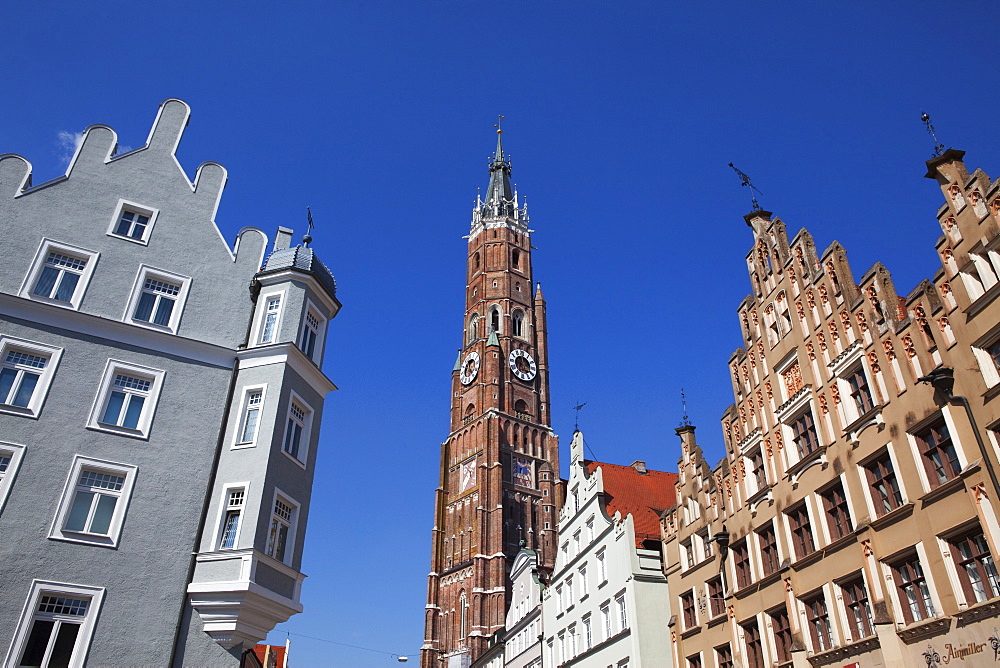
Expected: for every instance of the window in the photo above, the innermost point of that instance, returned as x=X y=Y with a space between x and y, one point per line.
x=741 y=562
x=59 y=274
x=297 y=429
x=694 y=661
x=802 y=534
x=588 y=635
x=560 y=601
x=127 y=399
x=976 y=569
x=590 y=531
x=269 y=327
x=838 y=516
x=687 y=547
x=687 y=606
x=782 y=634
x=253 y=401
x=706 y=543
x=494 y=318
x=859 y=612
x=235 y=498
x=716 y=598
x=886 y=494
x=804 y=434
x=602 y=567
x=768 y=549
x=133 y=222
x=911 y=586
x=606 y=620
x=282 y=529
x=860 y=391
x=724 y=656
x=517 y=323
x=57 y=625
x=158 y=299
x=584 y=585
x=92 y=507
x=622 y=611
x=571 y=632
x=755 y=649
x=312 y=339
x=938 y=453
x=819 y=623
x=759 y=472
x=10 y=460
x=26 y=370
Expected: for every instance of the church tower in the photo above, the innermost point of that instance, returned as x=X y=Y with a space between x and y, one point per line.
x=500 y=462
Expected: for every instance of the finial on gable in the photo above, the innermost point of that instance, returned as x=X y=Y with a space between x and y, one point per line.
x=745 y=181
x=938 y=146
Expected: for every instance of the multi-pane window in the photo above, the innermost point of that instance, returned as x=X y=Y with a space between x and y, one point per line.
x=125 y=401
x=914 y=593
x=976 y=569
x=231 y=521
x=859 y=612
x=622 y=611
x=4 y=464
x=688 y=548
x=724 y=656
x=818 y=619
x=860 y=391
x=251 y=416
x=688 y=610
x=885 y=488
x=310 y=333
x=602 y=566
x=938 y=453
x=156 y=301
x=741 y=562
x=19 y=377
x=606 y=620
x=838 y=516
x=94 y=501
x=588 y=634
x=293 y=432
x=804 y=434
x=269 y=329
x=55 y=631
x=517 y=323
x=132 y=224
x=281 y=523
x=768 y=549
x=759 y=472
x=59 y=277
x=755 y=648
x=584 y=585
x=802 y=534
x=694 y=661
x=782 y=630
x=716 y=598
x=706 y=543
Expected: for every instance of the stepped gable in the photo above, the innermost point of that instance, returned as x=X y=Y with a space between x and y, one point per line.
x=645 y=495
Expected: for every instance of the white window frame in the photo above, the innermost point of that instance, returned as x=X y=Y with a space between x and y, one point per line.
x=151 y=273
x=292 y=524
x=869 y=493
x=14 y=453
x=258 y=327
x=304 y=439
x=220 y=517
x=66 y=501
x=83 y=638
x=136 y=208
x=317 y=354
x=47 y=246
x=113 y=368
x=980 y=348
x=621 y=603
x=602 y=566
x=244 y=407
x=41 y=390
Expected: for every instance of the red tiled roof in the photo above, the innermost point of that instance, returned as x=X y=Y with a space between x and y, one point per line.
x=277 y=650
x=646 y=496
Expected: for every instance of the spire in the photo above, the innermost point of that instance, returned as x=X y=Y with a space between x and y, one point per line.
x=499 y=193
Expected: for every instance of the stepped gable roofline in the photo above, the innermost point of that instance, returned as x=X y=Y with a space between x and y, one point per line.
x=301 y=258
x=643 y=495
x=947 y=156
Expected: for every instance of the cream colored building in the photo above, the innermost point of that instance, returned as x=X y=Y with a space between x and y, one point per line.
x=853 y=520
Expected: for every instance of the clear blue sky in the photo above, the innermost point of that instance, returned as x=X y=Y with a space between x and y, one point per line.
x=621 y=119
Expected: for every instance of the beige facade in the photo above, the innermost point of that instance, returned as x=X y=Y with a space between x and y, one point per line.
x=853 y=518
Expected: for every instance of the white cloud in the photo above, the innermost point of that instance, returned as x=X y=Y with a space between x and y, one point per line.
x=68 y=143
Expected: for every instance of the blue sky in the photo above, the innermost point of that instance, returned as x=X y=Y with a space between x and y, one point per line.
x=621 y=119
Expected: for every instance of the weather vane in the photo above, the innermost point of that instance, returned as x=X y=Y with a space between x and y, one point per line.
x=578 y=408
x=745 y=181
x=685 y=422
x=307 y=239
x=938 y=146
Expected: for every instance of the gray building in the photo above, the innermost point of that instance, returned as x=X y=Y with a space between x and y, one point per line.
x=160 y=400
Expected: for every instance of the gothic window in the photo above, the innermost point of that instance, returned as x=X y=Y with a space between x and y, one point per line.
x=463 y=616
x=495 y=320
x=515 y=258
x=473 y=327
x=517 y=323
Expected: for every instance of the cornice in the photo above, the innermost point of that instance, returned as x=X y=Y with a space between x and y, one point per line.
x=287 y=353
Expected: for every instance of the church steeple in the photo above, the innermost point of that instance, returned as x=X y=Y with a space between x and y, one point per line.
x=500 y=205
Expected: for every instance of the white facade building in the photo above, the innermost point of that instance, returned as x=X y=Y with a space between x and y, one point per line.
x=607 y=602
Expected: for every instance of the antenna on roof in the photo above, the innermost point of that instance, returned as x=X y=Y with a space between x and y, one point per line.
x=938 y=146
x=307 y=237
x=578 y=408
x=745 y=181
x=685 y=422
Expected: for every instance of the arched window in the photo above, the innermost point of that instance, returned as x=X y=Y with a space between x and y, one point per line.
x=517 y=323
x=475 y=261
x=473 y=327
x=521 y=409
x=495 y=320
x=515 y=258
x=462 y=616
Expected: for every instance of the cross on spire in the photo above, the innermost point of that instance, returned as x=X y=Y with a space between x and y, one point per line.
x=307 y=237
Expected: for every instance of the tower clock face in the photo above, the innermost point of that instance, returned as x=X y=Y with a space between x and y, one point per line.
x=470 y=368
x=521 y=364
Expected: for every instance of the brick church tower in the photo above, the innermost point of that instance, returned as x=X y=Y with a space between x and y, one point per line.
x=500 y=462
